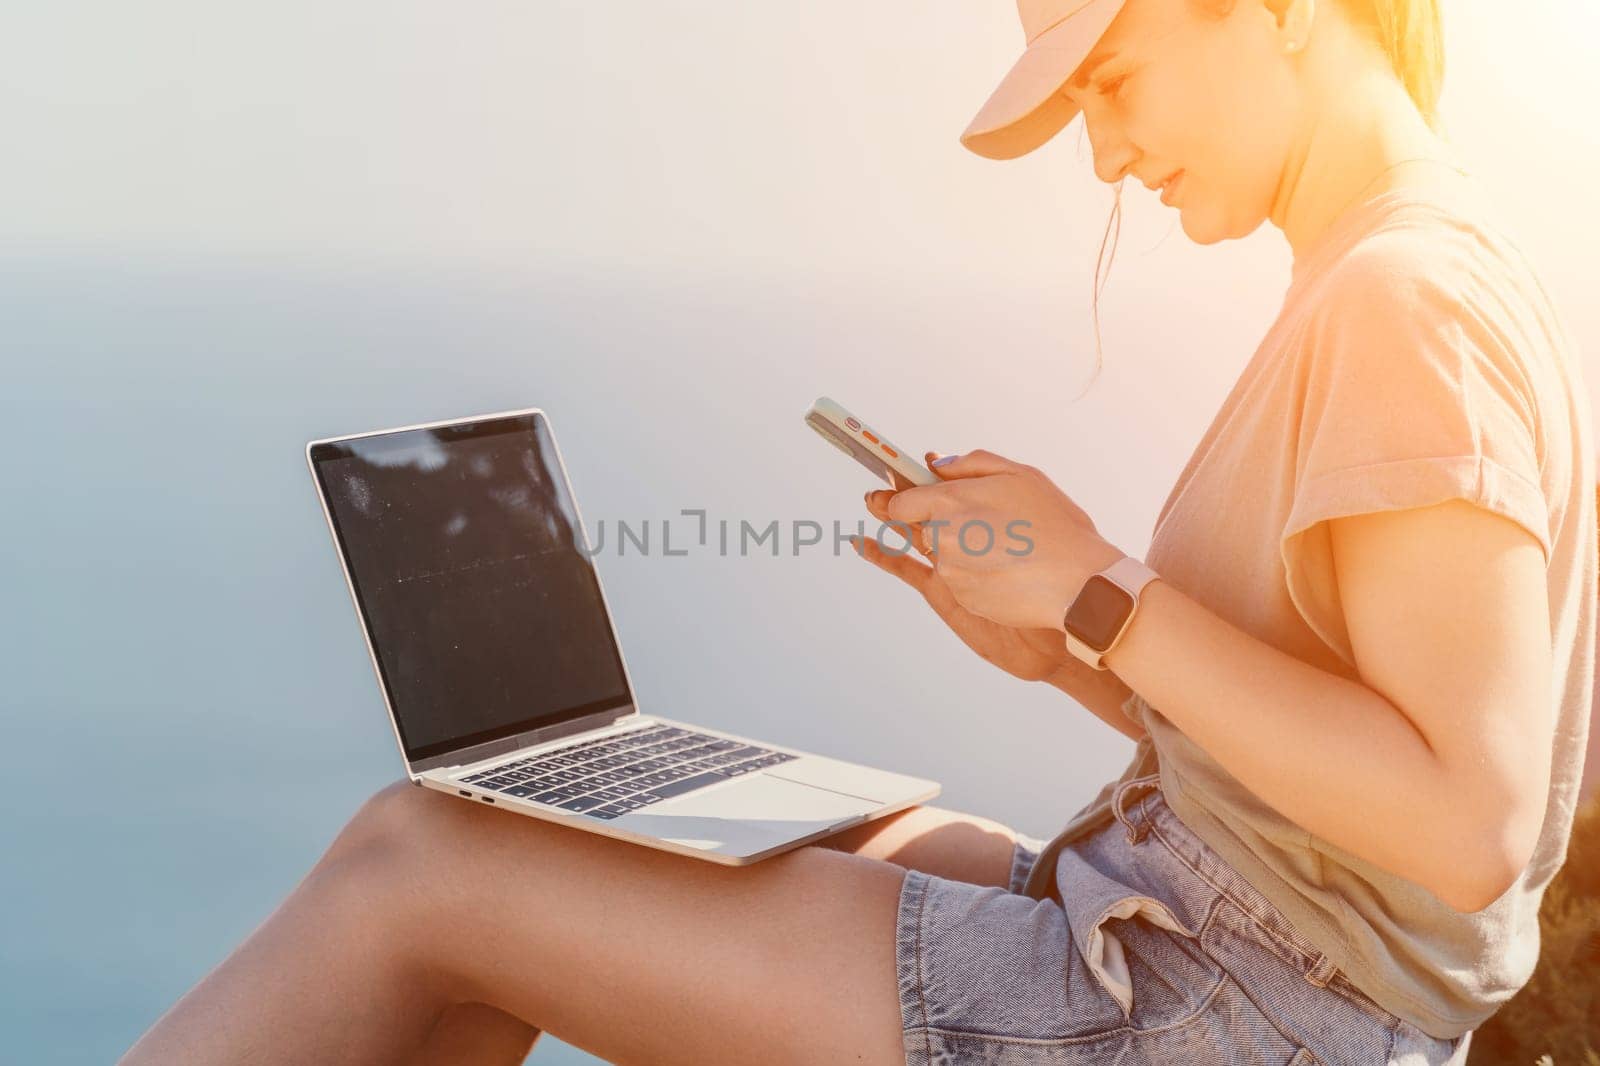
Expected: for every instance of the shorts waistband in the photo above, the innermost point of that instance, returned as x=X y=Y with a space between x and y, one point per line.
x=1143 y=810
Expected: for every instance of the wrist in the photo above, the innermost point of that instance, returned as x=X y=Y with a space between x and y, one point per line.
x=1065 y=590
x=1105 y=609
x=1137 y=625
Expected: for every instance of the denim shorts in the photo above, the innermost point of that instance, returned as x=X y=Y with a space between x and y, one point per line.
x=1151 y=949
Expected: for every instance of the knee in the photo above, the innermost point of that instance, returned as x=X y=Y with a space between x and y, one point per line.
x=364 y=892
x=394 y=827
x=375 y=872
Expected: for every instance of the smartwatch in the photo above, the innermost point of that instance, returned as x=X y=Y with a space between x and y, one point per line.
x=1100 y=613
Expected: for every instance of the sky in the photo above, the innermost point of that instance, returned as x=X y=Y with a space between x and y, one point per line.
x=228 y=229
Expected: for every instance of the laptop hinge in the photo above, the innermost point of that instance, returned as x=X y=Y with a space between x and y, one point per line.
x=506 y=745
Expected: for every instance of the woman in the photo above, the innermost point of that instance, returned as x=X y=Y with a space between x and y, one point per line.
x=1370 y=643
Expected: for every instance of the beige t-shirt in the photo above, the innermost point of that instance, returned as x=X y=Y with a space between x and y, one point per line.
x=1416 y=359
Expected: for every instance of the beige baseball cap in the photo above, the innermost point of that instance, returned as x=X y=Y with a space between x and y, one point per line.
x=1028 y=109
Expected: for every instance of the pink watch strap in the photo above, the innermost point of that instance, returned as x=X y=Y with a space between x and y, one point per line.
x=1132 y=575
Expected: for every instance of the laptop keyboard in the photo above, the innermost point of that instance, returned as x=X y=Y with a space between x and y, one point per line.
x=610 y=776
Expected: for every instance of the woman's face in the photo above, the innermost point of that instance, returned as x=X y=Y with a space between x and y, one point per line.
x=1174 y=91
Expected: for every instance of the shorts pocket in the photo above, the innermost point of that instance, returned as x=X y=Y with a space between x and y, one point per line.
x=1149 y=962
x=1304 y=1057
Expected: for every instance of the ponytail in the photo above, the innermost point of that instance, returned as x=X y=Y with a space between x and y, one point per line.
x=1411 y=33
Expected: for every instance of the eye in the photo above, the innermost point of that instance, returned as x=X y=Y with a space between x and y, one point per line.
x=1110 y=86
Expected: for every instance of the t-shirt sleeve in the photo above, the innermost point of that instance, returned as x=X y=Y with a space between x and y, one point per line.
x=1412 y=395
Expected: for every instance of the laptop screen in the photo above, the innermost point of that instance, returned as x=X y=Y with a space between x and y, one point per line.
x=468 y=561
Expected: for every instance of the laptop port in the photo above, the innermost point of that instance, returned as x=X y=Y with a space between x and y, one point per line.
x=464 y=792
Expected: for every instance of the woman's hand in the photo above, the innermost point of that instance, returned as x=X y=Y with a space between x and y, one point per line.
x=1030 y=652
x=1007 y=544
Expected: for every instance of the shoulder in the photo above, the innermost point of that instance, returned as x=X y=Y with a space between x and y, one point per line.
x=1433 y=292
x=1433 y=261
x=1420 y=260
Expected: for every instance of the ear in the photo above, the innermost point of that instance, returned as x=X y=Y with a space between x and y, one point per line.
x=1294 y=22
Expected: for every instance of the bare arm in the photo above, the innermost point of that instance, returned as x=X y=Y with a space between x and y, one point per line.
x=1436 y=768
x=1101 y=691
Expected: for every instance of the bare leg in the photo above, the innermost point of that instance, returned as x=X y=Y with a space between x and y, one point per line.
x=950 y=844
x=426 y=901
x=328 y=948
x=476 y=1034
x=962 y=847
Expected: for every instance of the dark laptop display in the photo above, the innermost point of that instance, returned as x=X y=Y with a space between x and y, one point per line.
x=465 y=551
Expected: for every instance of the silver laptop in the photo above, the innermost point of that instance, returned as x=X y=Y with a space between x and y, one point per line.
x=473 y=578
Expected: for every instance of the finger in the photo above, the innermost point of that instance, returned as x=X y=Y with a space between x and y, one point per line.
x=902 y=565
x=878 y=503
x=924 y=579
x=912 y=531
x=917 y=504
x=973 y=464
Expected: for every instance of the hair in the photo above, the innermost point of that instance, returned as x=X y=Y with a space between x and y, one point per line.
x=1411 y=33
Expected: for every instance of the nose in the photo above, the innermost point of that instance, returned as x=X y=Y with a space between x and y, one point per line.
x=1114 y=154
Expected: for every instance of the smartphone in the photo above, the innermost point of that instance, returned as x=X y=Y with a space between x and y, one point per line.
x=867 y=446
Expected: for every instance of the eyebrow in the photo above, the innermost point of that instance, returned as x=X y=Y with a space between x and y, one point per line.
x=1081 y=79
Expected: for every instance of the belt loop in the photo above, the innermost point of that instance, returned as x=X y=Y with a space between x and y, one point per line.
x=1136 y=832
x=1321 y=971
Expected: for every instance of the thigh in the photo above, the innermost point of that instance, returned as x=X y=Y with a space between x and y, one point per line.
x=476 y=1034
x=643 y=956
x=945 y=843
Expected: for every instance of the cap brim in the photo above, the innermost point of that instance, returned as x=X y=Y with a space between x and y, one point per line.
x=1027 y=108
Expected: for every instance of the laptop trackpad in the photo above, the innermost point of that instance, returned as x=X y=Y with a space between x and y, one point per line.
x=746 y=815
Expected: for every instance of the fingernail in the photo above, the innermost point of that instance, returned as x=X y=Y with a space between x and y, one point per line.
x=943 y=459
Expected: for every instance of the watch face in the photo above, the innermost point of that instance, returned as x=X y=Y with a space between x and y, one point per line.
x=1097 y=615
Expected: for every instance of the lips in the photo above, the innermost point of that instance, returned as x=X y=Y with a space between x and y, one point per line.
x=1170 y=187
